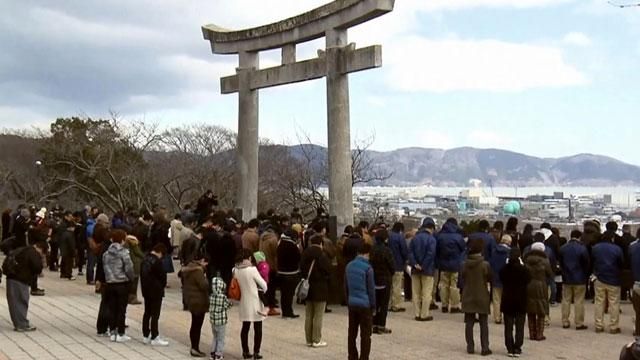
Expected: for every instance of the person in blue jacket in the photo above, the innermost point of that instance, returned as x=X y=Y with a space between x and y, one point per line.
x=450 y=256
x=400 y=251
x=488 y=239
x=361 y=298
x=574 y=262
x=497 y=261
x=634 y=260
x=607 y=266
x=422 y=258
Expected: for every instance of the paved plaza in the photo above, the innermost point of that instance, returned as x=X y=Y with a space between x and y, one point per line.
x=66 y=318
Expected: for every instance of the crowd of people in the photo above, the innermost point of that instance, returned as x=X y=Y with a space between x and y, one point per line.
x=493 y=272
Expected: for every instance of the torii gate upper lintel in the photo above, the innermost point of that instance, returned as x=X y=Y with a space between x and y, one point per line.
x=335 y=63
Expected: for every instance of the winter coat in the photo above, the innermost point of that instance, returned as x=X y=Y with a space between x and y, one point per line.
x=195 y=288
x=269 y=246
x=537 y=291
x=179 y=233
x=498 y=261
x=118 y=267
x=476 y=274
x=66 y=240
x=381 y=260
x=399 y=249
x=320 y=274
x=141 y=232
x=574 y=262
x=634 y=259
x=360 y=284
x=250 y=282
x=515 y=279
x=221 y=251
x=189 y=249
x=350 y=248
x=489 y=243
x=422 y=251
x=607 y=263
x=219 y=304
x=159 y=234
x=451 y=248
x=251 y=240
x=29 y=265
x=102 y=249
x=288 y=257
x=133 y=245
x=153 y=277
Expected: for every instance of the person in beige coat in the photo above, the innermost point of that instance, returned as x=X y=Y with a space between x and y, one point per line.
x=250 y=308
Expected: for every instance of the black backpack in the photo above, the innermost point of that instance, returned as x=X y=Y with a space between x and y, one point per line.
x=7 y=244
x=11 y=266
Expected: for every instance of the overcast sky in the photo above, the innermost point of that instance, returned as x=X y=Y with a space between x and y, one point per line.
x=542 y=77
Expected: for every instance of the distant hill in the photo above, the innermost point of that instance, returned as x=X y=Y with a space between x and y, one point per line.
x=455 y=167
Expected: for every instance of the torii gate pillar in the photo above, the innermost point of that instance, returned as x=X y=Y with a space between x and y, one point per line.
x=335 y=63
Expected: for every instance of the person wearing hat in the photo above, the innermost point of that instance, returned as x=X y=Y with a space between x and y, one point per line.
x=537 y=291
x=515 y=279
x=476 y=275
x=608 y=261
x=422 y=259
x=574 y=262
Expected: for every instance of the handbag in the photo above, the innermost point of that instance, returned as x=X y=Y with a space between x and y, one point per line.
x=302 y=290
x=234 y=290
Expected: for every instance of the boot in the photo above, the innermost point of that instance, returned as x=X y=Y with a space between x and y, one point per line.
x=540 y=328
x=531 y=321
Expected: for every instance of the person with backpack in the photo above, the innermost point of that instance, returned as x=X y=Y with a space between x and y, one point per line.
x=153 y=280
x=20 y=267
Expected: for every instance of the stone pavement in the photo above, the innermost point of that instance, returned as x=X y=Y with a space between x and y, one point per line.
x=65 y=319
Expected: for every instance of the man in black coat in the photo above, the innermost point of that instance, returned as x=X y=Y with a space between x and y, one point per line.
x=153 y=279
x=67 y=245
x=383 y=269
x=28 y=264
x=288 y=271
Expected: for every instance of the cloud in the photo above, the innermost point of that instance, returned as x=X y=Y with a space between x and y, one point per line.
x=422 y=64
x=439 y=5
x=577 y=39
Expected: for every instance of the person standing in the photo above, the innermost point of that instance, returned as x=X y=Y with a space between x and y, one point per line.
x=400 y=252
x=269 y=246
x=574 y=262
x=498 y=261
x=383 y=269
x=196 y=298
x=515 y=278
x=27 y=264
x=607 y=267
x=67 y=245
x=422 y=257
x=137 y=257
x=250 y=237
x=219 y=306
x=476 y=276
x=315 y=265
x=634 y=260
x=451 y=249
x=153 y=278
x=288 y=271
x=361 y=299
x=118 y=272
x=487 y=239
x=537 y=291
x=250 y=308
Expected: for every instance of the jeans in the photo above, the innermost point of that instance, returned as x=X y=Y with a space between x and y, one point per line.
x=196 y=330
x=514 y=346
x=91 y=266
x=469 y=323
x=288 y=285
x=382 y=307
x=152 y=308
x=18 y=301
x=573 y=293
x=553 y=290
x=422 y=294
x=314 y=313
x=257 y=337
x=359 y=319
x=218 y=331
x=117 y=295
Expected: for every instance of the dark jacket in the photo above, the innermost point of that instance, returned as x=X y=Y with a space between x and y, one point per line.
x=159 y=234
x=399 y=249
x=422 y=251
x=153 y=278
x=574 y=262
x=359 y=284
x=515 y=279
x=141 y=232
x=537 y=290
x=607 y=263
x=381 y=260
x=451 y=248
x=498 y=261
x=319 y=279
x=66 y=239
x=489 y=243
x=189 y=249
x=20 y=228
x=104 y=246
x=288 y=257
x=476 y=273
x=195 y=288
x=634 y=259
x=221 y=252
x=29 y=265
x=351 y=247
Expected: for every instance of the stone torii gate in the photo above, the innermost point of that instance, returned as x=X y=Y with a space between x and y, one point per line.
x=335 y=63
